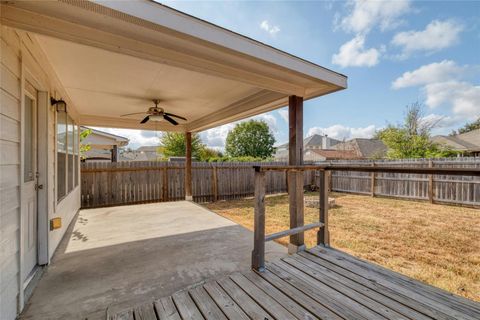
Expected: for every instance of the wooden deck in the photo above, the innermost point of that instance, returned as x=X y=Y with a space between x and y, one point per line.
x=317 y=284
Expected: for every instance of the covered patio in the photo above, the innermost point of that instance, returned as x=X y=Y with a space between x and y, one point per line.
x=123 y=256
x=98 y=62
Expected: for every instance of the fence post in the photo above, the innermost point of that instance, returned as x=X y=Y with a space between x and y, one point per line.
x=430 y=182
x=258 y=253
x=165 y=184
x=214 y=183
x=323 y=235
x=372 y=182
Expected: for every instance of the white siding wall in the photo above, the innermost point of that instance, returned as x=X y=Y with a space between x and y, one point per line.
x=9 y=174
x=15 y=46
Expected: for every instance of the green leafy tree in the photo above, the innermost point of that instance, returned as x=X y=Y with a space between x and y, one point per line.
x=467 y=127
x=208 y=154
x=250 y=139
x=173 y=145
x=84 y=147
x=412 y=138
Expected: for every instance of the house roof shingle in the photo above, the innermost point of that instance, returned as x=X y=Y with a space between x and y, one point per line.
x=364 y=148
x=469 y=141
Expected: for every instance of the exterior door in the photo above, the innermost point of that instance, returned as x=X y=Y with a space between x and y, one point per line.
x=29 y=185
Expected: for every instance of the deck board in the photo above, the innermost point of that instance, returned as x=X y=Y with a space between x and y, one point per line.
x=316 y=284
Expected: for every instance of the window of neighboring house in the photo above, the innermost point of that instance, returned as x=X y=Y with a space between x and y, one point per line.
x=61 y=155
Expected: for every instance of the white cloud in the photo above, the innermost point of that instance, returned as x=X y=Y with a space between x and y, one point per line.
x=436 y=36
x=284 y=114
x=430 y=73
x=440 y=121
x=364 y=15
x=136 y=138
x=463 y=97
x=443 y=84
x=215 y=137
x=271 y=29
x=354 y=54
x=341 y=132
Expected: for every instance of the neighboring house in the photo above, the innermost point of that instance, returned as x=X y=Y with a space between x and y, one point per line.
x=315 y=155
x=364 y=148
x=144 y=153
x=468 y=144
x=313 y=142
x=103 y=146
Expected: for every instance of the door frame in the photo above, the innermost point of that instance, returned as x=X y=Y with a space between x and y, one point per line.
x=42 y=159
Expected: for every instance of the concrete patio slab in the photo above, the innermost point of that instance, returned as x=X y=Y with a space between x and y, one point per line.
x=129 y=254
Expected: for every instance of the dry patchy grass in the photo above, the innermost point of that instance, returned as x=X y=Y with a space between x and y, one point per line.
x=437 y=244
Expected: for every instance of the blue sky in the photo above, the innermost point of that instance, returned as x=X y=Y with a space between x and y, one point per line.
x=393 y=52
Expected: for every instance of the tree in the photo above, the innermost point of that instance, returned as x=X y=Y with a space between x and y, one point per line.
x=207 y=154
x=173 y=145
x=84 y=147
x=467 y=127
x=250 y=139
x=412 y=138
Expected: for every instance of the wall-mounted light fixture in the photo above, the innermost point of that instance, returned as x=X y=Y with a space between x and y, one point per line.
x=60 y=105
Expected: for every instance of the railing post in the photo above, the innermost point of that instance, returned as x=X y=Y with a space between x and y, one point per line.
x=323 y=235
x=296 y=208
x=258 y=254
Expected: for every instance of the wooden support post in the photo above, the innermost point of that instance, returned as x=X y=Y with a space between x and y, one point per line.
x=188 y=166
x=323 y=235
x=372 y=182
x=214 y=184
x=114 y=153
x=430 y=183
x=258 y=253
x=295 y=179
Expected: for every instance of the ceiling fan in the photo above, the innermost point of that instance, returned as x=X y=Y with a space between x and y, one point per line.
x=156 y=114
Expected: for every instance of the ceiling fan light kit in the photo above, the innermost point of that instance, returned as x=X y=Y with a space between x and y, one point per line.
x=156 y=117
x=157 y=114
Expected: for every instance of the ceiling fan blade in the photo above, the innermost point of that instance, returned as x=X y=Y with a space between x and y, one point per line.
x=174 y=115
x=131 y=114
x=166 y=117
x=145 y=119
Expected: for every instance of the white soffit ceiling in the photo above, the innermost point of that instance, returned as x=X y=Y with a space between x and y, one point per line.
x=108 y=84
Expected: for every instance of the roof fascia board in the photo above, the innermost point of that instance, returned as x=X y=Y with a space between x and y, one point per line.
x=187 y=24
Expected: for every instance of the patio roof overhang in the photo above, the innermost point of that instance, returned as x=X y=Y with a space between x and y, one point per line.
x=114 y=57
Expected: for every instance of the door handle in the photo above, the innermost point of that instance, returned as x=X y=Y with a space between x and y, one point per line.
x=38 y=186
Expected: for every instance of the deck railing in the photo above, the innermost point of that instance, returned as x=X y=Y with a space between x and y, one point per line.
x=296 y=194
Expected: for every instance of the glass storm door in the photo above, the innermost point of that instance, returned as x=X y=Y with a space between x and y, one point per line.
x=29 y=185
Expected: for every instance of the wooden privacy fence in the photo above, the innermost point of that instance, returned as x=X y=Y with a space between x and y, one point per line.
x=438 y=188
x=107 y=184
